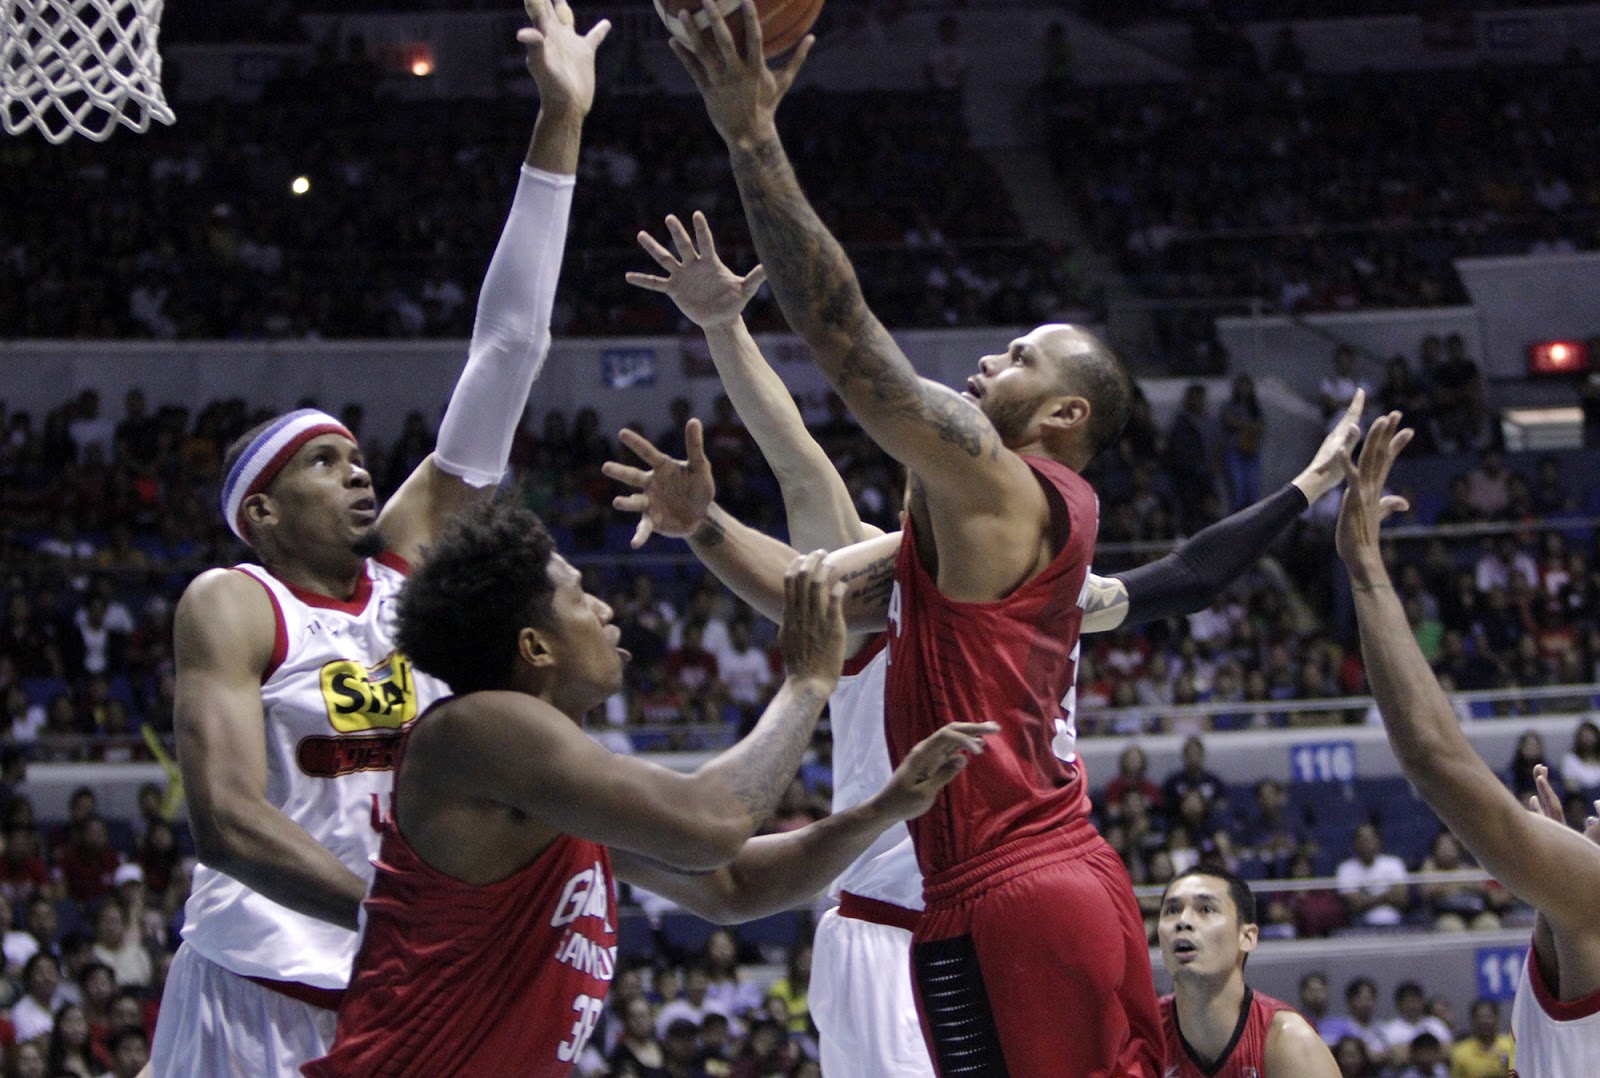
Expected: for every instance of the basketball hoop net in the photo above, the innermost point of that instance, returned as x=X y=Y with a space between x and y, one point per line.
x=80 y=67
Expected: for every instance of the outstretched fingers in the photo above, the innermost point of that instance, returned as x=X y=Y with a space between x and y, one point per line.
x=694 y=443
x=786 y=75
x=642 y=447
x=656 y=250
x=702 y=236
x=681 y=240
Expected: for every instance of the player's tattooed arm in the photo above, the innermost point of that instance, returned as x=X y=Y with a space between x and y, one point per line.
x=811 y=639
x=918 y=422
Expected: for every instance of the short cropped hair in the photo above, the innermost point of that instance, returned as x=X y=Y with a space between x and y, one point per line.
x=1244 y=900
x=1100 y=375
x=485 y=579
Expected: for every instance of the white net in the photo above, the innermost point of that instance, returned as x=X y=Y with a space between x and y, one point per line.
x=80 y=67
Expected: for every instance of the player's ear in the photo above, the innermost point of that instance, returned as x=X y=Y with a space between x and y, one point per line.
x=258 y=509
x=533 y=648
x=1067 y=412
x=1249 y=936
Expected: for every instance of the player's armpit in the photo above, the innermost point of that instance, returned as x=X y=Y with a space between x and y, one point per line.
x=429 y=497
x=1295 y=1051
x=1105 y=604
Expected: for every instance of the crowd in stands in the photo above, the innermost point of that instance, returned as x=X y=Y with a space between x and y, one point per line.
x=192 y=231
x=1328 y=192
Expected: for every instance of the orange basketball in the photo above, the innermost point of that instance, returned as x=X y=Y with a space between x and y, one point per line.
x=783 y=22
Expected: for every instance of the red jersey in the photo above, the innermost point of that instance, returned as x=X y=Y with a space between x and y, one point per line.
x=1012 y=661
x=1246 y=1054
x=507 y=978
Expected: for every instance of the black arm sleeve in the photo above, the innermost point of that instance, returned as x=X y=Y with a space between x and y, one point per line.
x=1185 y=581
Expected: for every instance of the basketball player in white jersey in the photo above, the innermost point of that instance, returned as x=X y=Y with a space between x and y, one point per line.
x=1556 y=1017
x=290 y=693
x=861 y=984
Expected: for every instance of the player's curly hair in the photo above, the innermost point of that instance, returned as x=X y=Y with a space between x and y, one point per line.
x=484 y=580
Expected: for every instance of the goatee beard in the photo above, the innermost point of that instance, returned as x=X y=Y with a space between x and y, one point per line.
x=369 y=545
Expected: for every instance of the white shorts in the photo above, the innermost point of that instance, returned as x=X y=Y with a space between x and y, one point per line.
x=217 y=1024
x=863 y=1003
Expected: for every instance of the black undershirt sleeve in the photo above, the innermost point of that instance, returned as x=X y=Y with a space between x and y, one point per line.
x=1186 y=580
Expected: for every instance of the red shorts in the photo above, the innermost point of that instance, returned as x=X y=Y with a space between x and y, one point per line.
x=1033 y=960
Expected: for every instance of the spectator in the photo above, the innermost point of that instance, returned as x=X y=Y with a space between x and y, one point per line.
x=1132 y=765
x=1487 y=1052
x=23 y=873
x=1193 y=776
x=1354 y=1058
x=1316 y=912
x=18 y=946
x=1411 y=1019
x=1189 y=461
x=794 y=986
x=727 y=993
x=1580 y=767
x=1268 y=832
x=87 y=862
x=69 y=1044
x=745 y=670
x=692 y=1006
x=638 y=1046
x=130 y=1052
x=28 y=1061
x=1457 y=907
x=1338 y=388
x=119 y=942
x=97 y=989
x=1489 y=485
x=1528 y=755
x=1373 y=883
x=34 y=1014
x=1243 y=431
x=680 y=1045
x=1426 y=1058
x=1361 y=1000
x=1313 y=999
x=767 y=1050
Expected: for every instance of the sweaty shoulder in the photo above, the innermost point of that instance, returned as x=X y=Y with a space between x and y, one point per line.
x=226 y=617
x=484 y=725
x=1294 y=1049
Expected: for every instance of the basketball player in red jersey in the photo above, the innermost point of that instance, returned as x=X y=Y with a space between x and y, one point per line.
x=1217 y=1026
x=1030 y=957
x=1556 y=870
x=491 y=927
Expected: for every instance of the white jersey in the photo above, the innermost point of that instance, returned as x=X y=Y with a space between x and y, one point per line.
x=336 y=698
x=1554 y=1039
x=888 y=870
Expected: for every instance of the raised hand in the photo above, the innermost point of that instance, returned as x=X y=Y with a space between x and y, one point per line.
x=812 y=635
x=930 y=766
x=1326 y=469
x=740 y=91
x=560 y=59
x=704 y=288
x=673 y=495
x=1365 y=504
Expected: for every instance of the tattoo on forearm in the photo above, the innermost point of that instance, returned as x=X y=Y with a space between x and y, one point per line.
x=709 y=534
x=868 y=587
x=778 y=740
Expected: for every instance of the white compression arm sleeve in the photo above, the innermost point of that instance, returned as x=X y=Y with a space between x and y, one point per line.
x=511 y=333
